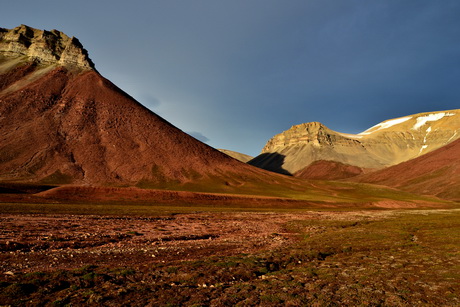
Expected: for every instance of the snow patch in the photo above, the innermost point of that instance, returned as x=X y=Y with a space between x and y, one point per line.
x=386 y=124
x=427 y=132
x=353 y=136
x=421 y=149
x=422 y=120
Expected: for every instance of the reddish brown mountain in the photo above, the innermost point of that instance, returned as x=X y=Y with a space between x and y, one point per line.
x=435 y=173
x=328 y=170
x=62 y=122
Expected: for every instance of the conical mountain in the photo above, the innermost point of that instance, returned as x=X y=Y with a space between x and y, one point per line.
x=62 y=122
x=388 y=143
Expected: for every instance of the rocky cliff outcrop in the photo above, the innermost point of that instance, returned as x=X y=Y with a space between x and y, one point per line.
x=388 y=143
x=314 y=133
x=49 y=47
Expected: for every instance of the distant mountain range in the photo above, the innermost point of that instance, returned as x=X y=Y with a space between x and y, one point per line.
x=385 y=144
x=237 y=155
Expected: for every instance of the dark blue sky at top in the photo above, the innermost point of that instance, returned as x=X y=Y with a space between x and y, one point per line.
x=235 y=73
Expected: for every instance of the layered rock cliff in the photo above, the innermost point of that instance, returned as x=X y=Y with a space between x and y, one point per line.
x=50 y=47
x=387 y=143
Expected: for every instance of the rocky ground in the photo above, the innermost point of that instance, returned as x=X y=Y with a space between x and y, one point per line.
x=47 y=242
x=224 y=259
x=40 y=242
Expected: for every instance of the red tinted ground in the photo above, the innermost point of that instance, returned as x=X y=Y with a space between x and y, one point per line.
x=31 y=243
x=376 y=258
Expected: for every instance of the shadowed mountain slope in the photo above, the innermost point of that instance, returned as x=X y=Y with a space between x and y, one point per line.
x=436 y=173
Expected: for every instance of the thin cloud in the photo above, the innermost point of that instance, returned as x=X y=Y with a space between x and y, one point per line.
x=199 y=136
x=149 y=101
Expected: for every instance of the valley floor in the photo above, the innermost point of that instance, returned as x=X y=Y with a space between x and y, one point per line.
x=393 y=258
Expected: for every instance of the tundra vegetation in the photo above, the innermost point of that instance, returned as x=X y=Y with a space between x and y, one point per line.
x=302 y=258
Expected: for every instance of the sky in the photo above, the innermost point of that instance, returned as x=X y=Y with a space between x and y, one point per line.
x=235 y=73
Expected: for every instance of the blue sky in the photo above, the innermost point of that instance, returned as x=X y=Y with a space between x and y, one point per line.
x=235 y=73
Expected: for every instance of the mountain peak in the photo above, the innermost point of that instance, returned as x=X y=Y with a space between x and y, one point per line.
x=313 y=132
x=313 y=127
x=48 y=47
